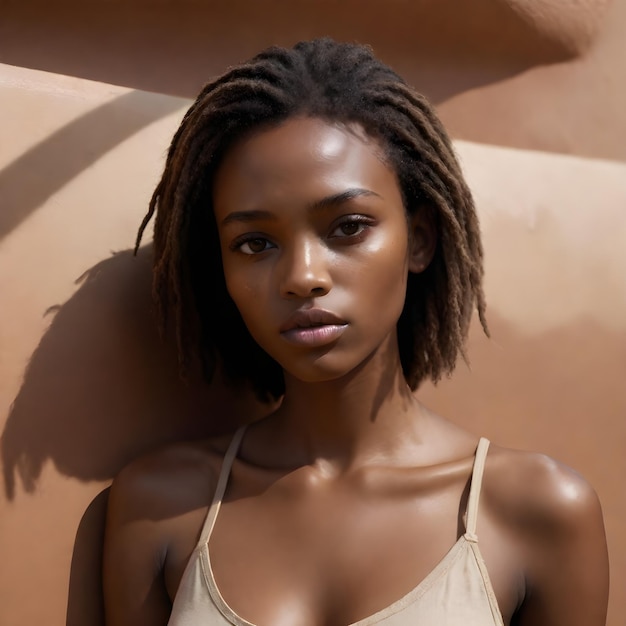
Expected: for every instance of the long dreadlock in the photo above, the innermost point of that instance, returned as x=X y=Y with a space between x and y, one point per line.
x=337 y=82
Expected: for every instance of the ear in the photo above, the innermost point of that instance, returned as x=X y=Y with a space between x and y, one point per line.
x=422 y=239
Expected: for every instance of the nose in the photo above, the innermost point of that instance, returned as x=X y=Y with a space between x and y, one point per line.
x=305 y=270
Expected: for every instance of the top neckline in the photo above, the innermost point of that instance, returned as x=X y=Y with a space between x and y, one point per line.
x=466 y=539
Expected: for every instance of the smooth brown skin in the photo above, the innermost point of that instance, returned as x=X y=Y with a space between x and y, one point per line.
x=348 y=495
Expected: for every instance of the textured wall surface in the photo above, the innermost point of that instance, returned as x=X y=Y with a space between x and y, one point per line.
x=540 y=74
x=85 y=385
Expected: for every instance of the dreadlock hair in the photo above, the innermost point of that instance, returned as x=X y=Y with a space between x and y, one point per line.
x=340 y=83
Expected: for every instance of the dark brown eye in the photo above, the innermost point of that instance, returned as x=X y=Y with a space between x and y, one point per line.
x=350 y=228
x=254 y=246
x=257 y=245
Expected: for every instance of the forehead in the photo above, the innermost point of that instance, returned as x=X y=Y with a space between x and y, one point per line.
x=308 y=157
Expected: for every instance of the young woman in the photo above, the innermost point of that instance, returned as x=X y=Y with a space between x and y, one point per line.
x=315 y=239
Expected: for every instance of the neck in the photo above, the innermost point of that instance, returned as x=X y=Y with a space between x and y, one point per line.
x=368 y=413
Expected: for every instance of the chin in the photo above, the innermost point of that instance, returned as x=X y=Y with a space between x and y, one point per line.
x=326 y=368
x=315 y=375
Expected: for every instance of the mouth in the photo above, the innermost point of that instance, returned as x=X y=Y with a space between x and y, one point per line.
x=313 y=327
x=311 y=318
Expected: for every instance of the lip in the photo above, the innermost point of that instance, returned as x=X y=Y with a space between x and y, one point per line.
x=313 y=327
x=311 y=318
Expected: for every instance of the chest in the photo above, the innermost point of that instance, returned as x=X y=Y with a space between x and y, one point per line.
x=328 y=555
x=285 y=555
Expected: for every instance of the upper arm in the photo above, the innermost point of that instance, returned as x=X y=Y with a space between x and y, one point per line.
x=566 y=554
x=134 y=552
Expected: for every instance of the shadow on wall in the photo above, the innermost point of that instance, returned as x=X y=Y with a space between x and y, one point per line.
x=101 y=388
x=161 y=48
x=31 y=179
x=85 y=604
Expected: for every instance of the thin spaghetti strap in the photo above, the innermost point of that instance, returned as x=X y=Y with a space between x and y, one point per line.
x=222 y=481
x=475 y=485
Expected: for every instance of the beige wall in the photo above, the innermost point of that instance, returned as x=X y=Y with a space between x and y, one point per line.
x=536 y=74
x=84 y=383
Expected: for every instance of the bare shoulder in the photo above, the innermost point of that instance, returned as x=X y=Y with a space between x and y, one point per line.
x=155 y=510
x=538 y=494
x=553 y=519
x=168 y=481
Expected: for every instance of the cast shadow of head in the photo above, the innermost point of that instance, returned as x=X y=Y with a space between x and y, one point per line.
x=101 y=389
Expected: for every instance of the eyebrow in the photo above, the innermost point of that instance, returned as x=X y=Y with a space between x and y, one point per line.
x=318 y=205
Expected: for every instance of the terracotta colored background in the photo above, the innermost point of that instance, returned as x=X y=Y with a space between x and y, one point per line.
x=534 y=92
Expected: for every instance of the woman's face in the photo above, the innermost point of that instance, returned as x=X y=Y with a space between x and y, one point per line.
x=315 y=245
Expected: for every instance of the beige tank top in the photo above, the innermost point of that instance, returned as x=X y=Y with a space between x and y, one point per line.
x=457 y=592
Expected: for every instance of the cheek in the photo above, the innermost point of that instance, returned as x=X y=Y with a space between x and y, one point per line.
x=389 y=261
x=247 y=292
x=385 y=280
x=239 y=289
x=237 y=282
